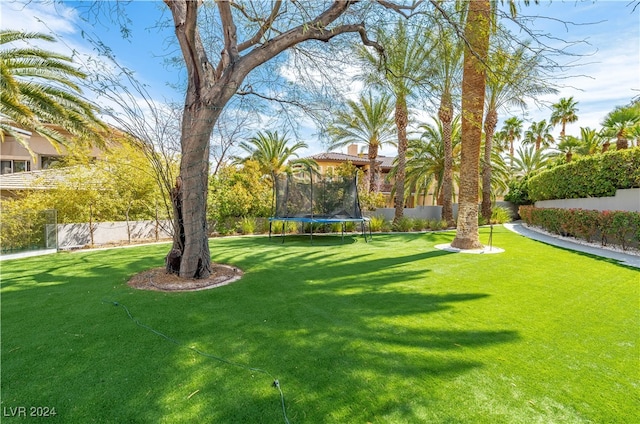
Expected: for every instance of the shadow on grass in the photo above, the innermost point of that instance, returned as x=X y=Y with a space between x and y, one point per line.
x=348 y=332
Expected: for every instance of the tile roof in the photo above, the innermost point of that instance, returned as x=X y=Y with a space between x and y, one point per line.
x=385 y=162
x=42 y=179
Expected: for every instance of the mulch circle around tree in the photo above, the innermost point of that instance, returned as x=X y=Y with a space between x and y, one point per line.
x=159 y=280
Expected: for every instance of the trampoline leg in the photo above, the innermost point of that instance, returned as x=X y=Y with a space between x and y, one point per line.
x=270 y=223
x=283 y=232
x=343 y=227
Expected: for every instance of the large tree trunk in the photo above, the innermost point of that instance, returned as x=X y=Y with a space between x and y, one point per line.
x=401 y=116
x=473 y=87
x=489 y=129
x=445 y=114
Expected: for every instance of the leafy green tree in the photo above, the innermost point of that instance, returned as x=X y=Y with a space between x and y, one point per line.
x=238 y=191
x=368 y=122
x=271 y=151
x=38 y=87
x=400 y=72
x=564 y=112
x=539 y=134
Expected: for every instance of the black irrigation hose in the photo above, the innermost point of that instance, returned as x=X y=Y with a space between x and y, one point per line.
x=275 y=383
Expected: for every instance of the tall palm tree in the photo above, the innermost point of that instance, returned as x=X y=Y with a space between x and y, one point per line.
x=514 y=76
x=619 y=123
x=447 y=66
x=476 y=32
x=368 y=122
x=271 y=151
x=564 y=112
x=539 y=134
x=512 y=128
x=38 y=87
x=401 y=71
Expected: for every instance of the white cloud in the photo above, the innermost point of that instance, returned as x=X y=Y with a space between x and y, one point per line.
x=46 y=17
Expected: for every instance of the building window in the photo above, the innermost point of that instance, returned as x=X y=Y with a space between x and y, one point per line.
x=47 y=162
x=12 y=166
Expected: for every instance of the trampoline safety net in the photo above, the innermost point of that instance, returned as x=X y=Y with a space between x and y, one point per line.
x=304 y=195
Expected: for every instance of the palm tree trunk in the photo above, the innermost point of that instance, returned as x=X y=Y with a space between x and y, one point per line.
x=401 y=116
x=373 y=155
x=445 y=114
x=473 y=90
x=489 y=128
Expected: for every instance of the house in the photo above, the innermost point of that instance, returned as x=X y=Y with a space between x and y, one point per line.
x=14 y=157
x=21 y=169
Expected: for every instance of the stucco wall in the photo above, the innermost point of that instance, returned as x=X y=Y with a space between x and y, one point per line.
x=624 y=200
x=78 y=235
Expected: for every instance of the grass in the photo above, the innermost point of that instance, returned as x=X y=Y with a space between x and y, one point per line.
x=393 y=331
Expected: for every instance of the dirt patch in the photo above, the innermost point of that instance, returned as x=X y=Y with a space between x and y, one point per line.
x=158 y=279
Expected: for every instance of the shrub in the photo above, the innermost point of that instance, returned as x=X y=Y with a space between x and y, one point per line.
x=403 y=225
x=611 y=227
x=420 y=224
x=518 y=192
x=437 y=224
x=591 y=176
x=247 y=225
x=500 y=215
x=376 y=223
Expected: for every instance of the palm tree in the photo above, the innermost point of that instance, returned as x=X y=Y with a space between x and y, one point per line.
x=512 y=127
x=368 y=122
x=425 y=159
x=568 y=146
x=514 y=76
x=271 y=151
x=476 y=32
x=539 y=134
x=529 y=161
x=591 y=141
x=38 y=87
x=619 y=123
x=398 y=74
x=564 y=112
x=447 y=66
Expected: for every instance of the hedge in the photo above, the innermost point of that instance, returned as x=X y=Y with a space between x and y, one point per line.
x=592 y=176
x=618 y=228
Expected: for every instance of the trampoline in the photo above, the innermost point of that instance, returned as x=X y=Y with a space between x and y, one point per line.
x=305 y=198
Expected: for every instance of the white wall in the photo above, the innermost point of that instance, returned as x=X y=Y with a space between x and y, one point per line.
x=78 y=235
x=624 y=200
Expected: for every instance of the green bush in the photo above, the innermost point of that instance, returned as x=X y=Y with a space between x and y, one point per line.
x=403 y=225
x=247 y=225
x=518 y=192
x=591 y=176
x=377 y=223
x=610 y=227
x=500 y=215
x=420 y=224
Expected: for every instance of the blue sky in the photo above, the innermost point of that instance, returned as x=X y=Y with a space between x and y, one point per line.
x=608 y=75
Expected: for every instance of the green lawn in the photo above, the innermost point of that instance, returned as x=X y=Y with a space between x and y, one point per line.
x=393 y=331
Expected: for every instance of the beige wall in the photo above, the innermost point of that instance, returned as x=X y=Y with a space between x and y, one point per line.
x=11 y=149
